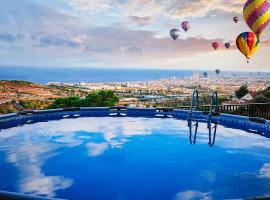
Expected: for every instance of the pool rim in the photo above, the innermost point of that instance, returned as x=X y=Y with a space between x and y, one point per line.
x=256 y=125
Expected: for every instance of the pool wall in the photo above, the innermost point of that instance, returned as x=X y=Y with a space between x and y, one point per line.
x=256 y=125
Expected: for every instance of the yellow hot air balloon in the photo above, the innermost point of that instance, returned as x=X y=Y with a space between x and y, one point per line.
x=257 y=15
x=247 y=43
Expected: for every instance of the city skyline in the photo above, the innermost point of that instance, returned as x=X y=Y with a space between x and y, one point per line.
x=125 y=34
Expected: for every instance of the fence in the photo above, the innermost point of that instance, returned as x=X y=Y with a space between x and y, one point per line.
x=251 y=110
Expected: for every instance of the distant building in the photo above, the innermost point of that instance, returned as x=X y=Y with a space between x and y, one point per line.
x=195 y=77
x=234 y=101
x=128 y=101
x=247 y=97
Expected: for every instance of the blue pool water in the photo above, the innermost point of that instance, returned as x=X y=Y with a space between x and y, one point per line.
x=133 y=159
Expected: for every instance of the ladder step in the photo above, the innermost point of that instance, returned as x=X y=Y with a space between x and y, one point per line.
x=199 y=120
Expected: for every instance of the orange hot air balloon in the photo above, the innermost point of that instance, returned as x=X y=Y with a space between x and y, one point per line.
x=247 y=43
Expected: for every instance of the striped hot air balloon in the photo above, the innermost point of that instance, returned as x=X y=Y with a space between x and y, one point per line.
x=257 y=15
x=247 y=43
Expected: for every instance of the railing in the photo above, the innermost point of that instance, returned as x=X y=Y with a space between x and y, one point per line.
x=251 y=110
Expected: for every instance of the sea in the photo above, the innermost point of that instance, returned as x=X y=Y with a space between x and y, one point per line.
x=44 y=75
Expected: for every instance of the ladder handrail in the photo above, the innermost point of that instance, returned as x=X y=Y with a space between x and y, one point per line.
x=214 y=97
x=211 y=133
x=195 y=92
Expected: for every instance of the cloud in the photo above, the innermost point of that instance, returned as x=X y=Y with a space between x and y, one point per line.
x=56 y=41
x=96 y=149
x=265 y=171
x=97 y=49
x=192 y=195
x=201 y=8
x=132 y=50
x=91 y=5
x=141 y=21
x=121 y=33
x=20 y=36
x=145 y=9
x=7 y=37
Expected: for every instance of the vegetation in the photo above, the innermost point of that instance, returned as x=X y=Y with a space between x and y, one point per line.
x=263 y=96
x=242 y=91
x=94 y=99
x=21 y=82
x=15 y=106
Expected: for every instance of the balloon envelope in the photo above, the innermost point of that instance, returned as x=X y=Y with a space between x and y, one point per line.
x=185 y=26
x=217 y=71
x=227 y=45
x=257 y=15
x=175 y=33
x=236 y=19
x=215 y=45
x=247 y=43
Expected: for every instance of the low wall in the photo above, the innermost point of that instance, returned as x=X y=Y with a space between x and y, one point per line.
x=233 y=121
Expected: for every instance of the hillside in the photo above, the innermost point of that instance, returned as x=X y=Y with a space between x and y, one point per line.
x=21 y=95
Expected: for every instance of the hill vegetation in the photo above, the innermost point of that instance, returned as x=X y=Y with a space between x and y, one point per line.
x=94 y=99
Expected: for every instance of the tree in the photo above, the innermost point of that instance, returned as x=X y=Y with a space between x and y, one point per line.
x=263 y=96
x=242 y=91
x=94 y=99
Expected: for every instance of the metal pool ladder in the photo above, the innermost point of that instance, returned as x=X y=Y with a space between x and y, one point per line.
x=213 y=107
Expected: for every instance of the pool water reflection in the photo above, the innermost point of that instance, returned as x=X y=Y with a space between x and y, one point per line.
x=133 y=158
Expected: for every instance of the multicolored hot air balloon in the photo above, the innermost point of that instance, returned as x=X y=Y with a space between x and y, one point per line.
x=185 y=26
x=227 y=45
x=257 y=15
x=175 y=33
x=215 y=45
x=236 y=19
x=247 y=43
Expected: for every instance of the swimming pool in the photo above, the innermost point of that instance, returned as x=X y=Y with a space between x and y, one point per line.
x=107 y=157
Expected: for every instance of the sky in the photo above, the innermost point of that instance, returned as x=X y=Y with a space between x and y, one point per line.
x=125 y=34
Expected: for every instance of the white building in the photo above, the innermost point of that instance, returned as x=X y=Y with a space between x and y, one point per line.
x=247 y=97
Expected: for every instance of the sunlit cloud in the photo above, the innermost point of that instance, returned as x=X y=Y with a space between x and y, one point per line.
x=124 y=33
x=96 y=149
x=265 y=171
x=190 y=195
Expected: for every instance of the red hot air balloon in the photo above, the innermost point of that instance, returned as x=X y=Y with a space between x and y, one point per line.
x=185 y=26
x=236 y=19
x=215 y=45
x=227 y=45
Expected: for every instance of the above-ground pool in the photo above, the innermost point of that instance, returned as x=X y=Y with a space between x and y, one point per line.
x=133 y=158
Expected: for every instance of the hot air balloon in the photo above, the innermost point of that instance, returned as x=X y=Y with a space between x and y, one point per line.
x=217 y=71
x=257 y=15
x=236 y=19
x=185 y=26
x=247 y=43
x=175 y=33
x=227 y=45
x=205 y=74
x=215 y=45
